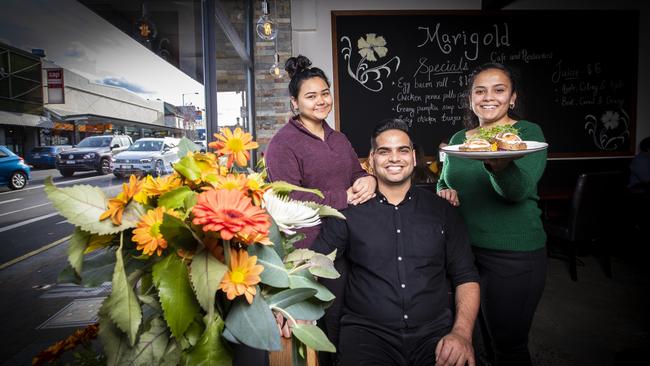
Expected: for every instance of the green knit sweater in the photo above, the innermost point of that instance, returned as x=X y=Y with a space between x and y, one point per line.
x=499 y=208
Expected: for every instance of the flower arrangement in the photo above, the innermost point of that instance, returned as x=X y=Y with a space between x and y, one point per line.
x=198 y=260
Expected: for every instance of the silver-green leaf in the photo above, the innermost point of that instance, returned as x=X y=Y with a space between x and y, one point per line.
x=206 y=274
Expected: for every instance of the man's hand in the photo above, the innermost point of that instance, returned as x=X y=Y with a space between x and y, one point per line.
x=362 y=190
x=450 y=195
x=454 y=350
x=285 y=328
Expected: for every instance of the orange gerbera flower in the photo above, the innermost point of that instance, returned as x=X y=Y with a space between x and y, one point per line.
x=116 y=205
x=234 y=145
x=229 y=212
x=147 y=232
x=242 y=277
x=251 y=237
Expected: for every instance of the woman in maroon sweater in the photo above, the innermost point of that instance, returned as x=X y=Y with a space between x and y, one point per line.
x=308 y=153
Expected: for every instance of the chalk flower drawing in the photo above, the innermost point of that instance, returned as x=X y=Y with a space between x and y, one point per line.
x=371 y=48
x=610 y=120
x=611 y=131
x=371 y=45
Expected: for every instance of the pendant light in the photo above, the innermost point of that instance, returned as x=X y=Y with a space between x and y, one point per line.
x=266 y=28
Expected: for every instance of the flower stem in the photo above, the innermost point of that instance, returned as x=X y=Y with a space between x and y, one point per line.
x=226 y=252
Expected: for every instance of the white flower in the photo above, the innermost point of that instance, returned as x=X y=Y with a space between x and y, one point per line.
x=290 y=214
x=610 y=120
x=371 y=45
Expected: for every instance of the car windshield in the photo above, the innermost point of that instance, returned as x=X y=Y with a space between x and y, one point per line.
x=42 y=149
x=95 y=142
x=146 y=146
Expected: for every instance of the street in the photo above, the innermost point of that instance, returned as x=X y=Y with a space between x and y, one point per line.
x=36 y=311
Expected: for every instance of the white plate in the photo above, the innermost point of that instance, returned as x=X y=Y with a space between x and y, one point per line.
x=533 y=146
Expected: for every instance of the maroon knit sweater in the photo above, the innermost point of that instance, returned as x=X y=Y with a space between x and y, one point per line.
x=297 y=156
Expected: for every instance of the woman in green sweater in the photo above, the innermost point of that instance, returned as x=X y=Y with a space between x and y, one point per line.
x=498 y=200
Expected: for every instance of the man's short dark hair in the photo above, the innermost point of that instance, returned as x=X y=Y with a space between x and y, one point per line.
x=389 y=124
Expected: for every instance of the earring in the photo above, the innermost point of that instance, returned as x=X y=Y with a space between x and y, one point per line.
x=512 y=105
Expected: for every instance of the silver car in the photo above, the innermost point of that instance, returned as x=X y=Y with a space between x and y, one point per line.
x=153 y=156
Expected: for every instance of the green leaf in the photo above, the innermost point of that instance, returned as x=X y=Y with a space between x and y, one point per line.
x=115 y=343
x=188 y=168
x=299 y=280
x=177 y=233
x=276 y=238
x=206 y=274
x=289 y=297
x=289 y=241
x=300 y=255
x=283 y=188
x=176 y=198
x=185 y=146
x=98 y=268
x=122 y=304
x=254 y=324
x=189 y=202
x=194 y=331
x=170 y=276
x=274 y=274
x=82 y=205
x=297 y=353
x=313 y=337
x=78 y=242
x=322 y=266
x=306 y=310
x=155 y=346
x=210 y=349
x=332 y=256
x=325 y=210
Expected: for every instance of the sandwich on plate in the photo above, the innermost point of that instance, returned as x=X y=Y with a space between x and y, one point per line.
x=493 y=139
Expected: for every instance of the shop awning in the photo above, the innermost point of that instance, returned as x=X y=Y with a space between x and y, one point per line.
x=24 y=119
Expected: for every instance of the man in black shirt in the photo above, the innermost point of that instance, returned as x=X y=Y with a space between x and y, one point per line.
x=404 y=247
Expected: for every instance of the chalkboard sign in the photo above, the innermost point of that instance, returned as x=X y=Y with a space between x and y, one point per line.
x=577 y=73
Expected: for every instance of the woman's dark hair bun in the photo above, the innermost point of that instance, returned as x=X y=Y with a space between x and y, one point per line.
x=297 y=64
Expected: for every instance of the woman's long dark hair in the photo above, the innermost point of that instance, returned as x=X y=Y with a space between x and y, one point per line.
x=470 y=120
x=299 y=71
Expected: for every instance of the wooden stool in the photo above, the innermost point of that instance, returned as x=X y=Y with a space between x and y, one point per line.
x=283 y=358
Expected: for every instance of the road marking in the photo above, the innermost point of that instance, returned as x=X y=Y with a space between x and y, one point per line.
x=57 y=183
x=11 y=200
x=61 y=222
x=26 y=208
x=34 y=252
x=26 y=222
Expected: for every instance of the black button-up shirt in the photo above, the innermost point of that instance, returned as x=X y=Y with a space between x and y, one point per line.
x=401 y=258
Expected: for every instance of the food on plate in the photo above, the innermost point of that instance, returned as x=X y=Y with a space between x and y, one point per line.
x=499 y=138
x=477 y=144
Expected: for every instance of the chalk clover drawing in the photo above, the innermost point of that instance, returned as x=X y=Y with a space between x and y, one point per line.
x=610 y=131
x=371 y=48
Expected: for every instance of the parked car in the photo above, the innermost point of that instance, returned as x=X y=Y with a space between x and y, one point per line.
x=45 y=156
x=92 y=153
x=203 y=145
x=153 y=156
x=13 y=171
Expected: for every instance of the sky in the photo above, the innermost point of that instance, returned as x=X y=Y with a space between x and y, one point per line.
x=79 y=40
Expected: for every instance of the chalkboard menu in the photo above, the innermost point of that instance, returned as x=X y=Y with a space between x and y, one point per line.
x=577 y=73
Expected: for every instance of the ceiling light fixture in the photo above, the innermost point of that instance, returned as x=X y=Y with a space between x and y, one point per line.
x=267 y=28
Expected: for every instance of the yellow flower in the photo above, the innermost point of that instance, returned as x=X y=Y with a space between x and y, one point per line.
x=116 y=205
x=236 y=182
x=157 y=186
x=255 y=185
x=147 y=232
x=242 y=277
x=234 y=145
x=209 y=166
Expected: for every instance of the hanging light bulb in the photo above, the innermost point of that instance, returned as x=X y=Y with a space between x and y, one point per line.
x=276 y=68
x=266 y=27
